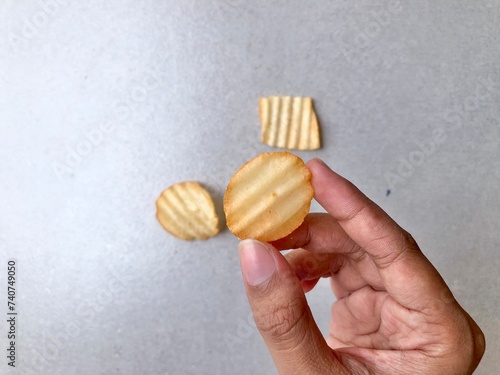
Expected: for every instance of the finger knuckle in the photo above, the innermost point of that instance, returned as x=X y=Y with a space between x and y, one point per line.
x=479 y=344
x=408 y=239
x=283 y=322
x=394 y=255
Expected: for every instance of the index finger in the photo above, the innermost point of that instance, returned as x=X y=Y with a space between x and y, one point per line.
x=319 y=233
x=405 y=272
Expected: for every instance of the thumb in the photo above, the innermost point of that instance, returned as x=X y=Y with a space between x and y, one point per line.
x=281 y=313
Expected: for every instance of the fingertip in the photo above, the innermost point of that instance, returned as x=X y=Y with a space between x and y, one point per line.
x=308 y=285
x=320 y=173
x=316 y=162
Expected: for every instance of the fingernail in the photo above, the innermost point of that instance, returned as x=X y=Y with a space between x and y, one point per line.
x=257 y=262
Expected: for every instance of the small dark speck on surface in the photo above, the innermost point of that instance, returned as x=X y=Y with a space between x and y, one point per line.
x=388 y=192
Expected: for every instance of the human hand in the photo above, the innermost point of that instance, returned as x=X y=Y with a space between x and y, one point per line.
x=394 y=313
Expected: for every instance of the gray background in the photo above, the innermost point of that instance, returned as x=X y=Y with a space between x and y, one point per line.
x=102 y=288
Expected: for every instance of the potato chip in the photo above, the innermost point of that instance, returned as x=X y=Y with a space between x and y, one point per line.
x=268 y=197
x=289 y=122
x=187 y=211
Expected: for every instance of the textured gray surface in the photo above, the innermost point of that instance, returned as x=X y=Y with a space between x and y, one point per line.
x=103 y=289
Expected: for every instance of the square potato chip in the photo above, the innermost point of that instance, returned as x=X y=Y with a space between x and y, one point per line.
x=289 y=122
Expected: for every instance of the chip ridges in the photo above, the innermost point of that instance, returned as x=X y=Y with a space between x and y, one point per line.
x=289 y=122
x=268 y=197
x=187 y=211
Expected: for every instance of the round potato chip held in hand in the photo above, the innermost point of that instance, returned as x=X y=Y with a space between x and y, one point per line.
x=187 y=211
x=268 y=197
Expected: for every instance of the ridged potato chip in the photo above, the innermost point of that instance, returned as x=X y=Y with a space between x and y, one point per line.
x=289 y=122
x=268 y=197
x=187 y=211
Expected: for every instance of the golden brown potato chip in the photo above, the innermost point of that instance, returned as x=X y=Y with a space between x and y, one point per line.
x=187 y=211
x=268 y=197
x=289 y=122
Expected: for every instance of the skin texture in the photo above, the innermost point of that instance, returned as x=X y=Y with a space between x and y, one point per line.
x=394 y=313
